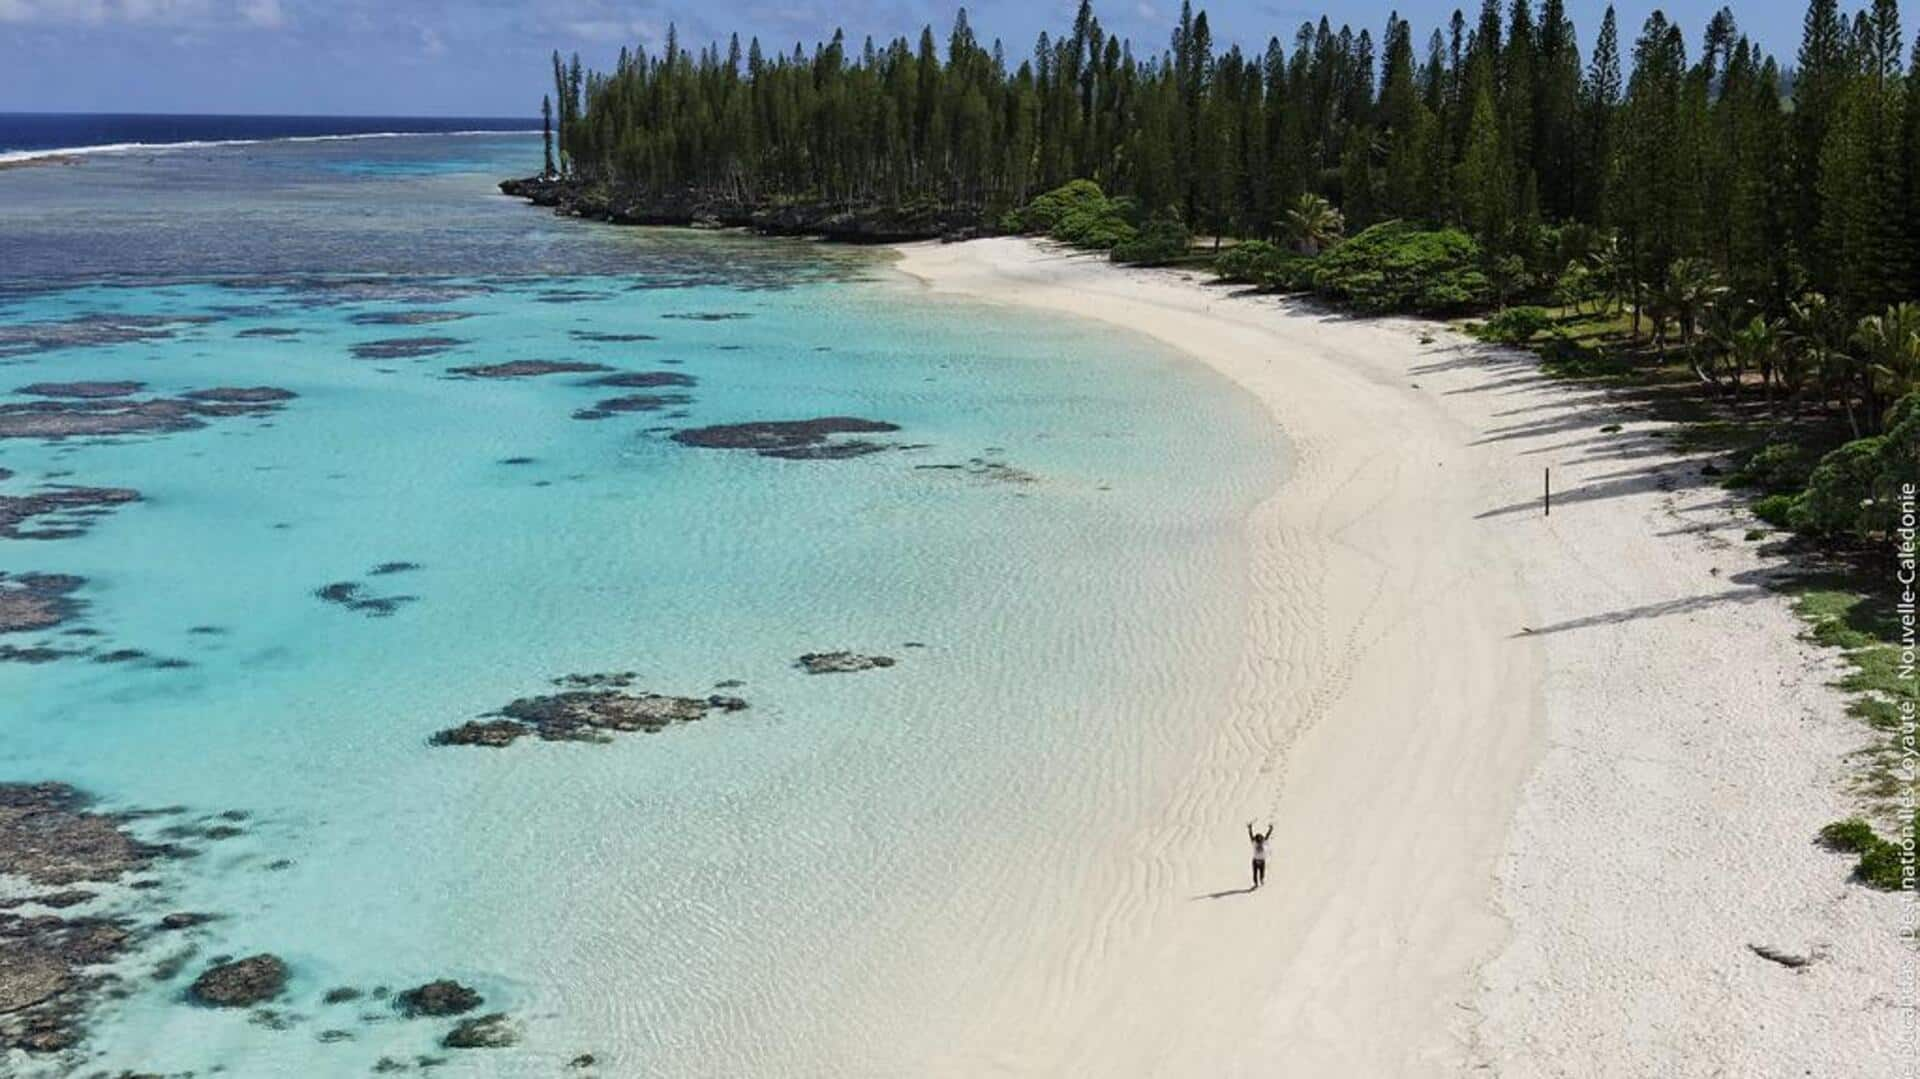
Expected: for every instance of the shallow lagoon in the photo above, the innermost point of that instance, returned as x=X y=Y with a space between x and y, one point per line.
x=774 y=890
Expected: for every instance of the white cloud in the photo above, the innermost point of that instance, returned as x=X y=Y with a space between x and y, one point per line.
x=266 y=14
x=199 y=14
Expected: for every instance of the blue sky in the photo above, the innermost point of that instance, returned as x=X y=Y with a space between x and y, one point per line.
x=486 y=57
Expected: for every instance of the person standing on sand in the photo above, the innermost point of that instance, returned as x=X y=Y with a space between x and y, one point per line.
x=1259 y=852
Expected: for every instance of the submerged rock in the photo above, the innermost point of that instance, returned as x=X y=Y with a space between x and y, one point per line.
x=637 y=402
x=30 y=601
x=24 y=338
x=528 y=368
x=240 y=983
x=494 y=1031
x=348 y=595
x=585 y=715
x=185 y=919
x=66 y=503
x=609 y=338
x=97 y=416
x=709 y=316
x=49 y=837
x=494 y=733
x=82 y=389
x=792 y=439
x=270 y=332
x=404 y=348
x=437 y=998
x=644 y=380
x=405 y=318
x=246 y=395
x=841 y=662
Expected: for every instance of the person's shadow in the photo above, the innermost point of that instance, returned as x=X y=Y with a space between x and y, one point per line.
x=1248 y=890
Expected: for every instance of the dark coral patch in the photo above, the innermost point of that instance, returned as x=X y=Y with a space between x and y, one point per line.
x=637 y=402
x=57 y=419
x=88 y=331
x=527 y=368
x=709 y=316
x=404 y=348
x=49 y=836
x=240 y=983
x=791 y=439
x=348 y=595
x=62 y=504
x=584 y=716
x=644 y=380
x=30 y=601
x=243 y=395
x=406 y=318
x=270 y=332
x=83 y=389
x=609 y=338
x=841 y=662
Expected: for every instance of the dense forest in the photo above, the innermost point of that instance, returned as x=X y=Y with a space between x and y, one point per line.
x=1499 y=124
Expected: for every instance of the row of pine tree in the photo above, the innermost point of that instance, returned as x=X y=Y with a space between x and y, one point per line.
x=1782 y=181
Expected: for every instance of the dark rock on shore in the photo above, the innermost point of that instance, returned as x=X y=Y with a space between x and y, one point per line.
x=791 y=439
x=82 y=389
x=526 y=368
x=494 y=1031
x=644 y=380
x=852 y=223
x=240 y=983
x=30 y=601
x=841 y=662
x=404 y=348
x=67 y=503
x=437 y=998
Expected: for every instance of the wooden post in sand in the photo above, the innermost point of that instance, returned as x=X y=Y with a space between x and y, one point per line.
x=1546 y=491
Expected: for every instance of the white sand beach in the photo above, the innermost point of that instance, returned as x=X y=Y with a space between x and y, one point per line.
x=1538 y=782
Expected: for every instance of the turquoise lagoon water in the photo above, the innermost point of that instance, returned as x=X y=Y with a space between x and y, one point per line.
x=772 y=891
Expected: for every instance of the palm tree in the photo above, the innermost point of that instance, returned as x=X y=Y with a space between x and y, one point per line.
x=1816 y=333
x=1756 y=344
x=1891 y=343
x=1614 y=272
x=1313 y=224
x=1691 y=285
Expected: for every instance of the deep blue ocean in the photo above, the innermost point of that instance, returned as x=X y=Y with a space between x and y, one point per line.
x=21 y=132
x=404 y=536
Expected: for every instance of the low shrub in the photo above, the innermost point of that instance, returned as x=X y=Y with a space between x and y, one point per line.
x=1076 y=212
x=1161 y=240
x=1838 y=502
x=1398 y=266
x=1774 y=468
x=1246 y=262
x=1517 y=325
x=1883 y=863
x=1776 y=510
